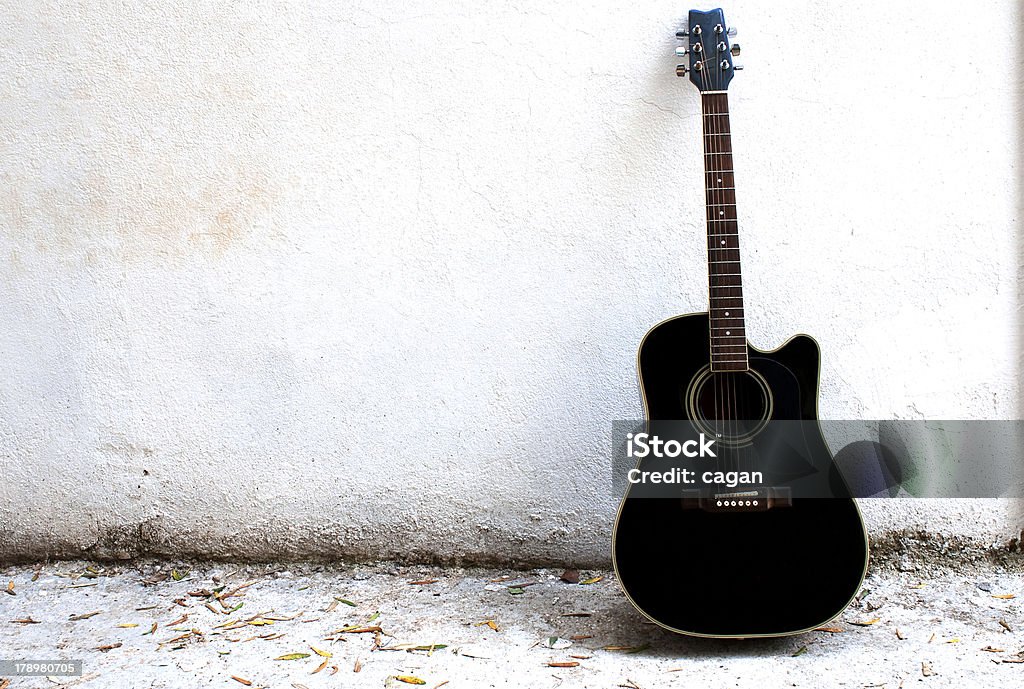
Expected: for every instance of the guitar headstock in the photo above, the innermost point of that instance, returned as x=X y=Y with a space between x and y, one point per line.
x=707 y=42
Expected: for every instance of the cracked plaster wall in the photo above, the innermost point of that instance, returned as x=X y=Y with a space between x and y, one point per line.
x=367 y=279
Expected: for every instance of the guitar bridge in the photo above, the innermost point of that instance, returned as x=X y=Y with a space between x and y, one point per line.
x=757 y=500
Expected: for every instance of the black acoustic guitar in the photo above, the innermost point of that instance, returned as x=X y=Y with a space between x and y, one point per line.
x=786 y=551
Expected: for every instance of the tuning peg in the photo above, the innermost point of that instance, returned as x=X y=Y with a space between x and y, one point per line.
x=737 y=66
x=732 y=31
x=682 y=52
x=735 y=49
x=681 y=70
x=684 y=31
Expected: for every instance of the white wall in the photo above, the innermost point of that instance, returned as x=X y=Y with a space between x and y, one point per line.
x=368 y=278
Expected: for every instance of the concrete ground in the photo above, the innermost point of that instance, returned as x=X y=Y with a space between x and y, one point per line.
x=154 y=624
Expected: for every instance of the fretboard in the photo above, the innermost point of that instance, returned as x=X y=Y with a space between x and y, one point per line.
x=728 y=336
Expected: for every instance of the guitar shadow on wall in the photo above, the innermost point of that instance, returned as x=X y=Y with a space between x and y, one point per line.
x=874 y=469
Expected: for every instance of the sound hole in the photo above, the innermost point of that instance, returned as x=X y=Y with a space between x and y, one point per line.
x=733 y=405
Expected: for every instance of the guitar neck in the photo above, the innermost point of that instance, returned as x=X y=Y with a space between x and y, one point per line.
x=725 y=288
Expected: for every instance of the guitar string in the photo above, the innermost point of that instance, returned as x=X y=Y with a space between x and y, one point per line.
x=716 y=198
x=711 y=118
x=707 y=209
x=718 y=412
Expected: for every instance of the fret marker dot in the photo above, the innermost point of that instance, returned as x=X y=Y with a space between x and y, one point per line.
x=726 y=313
x=723 y=242
x=719 y=180
x=728 y=333
x=721 y=212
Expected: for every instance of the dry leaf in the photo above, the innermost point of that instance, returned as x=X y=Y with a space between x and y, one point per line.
x=1005 y=625
x=830 y=630
x=799 y=652
x=571 y=663
x=108 y=647
x=926 y=669
x=10 y=588
x=84 y=616
x=292 y=656
x=323 y=654
x=409 y=679
x=357 y=630
x=1005 y=596
x=357 y=666
x=867 y=623
x=899 y=634
x=591 y=580
x=570 y=576
x=421 y=582
x=993 y=649
x=488 y=623
x=25 y=620
x=321 y=666
x=581 y=657
x=953 y=641
x=128 y=625
x=240 y=680
x=580 y=637
x=345 y=601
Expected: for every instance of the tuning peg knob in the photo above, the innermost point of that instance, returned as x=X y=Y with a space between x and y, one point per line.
x=732 y=31
x=735 y=49
x=681 y=70
x=682 y=52
x=737 y=66
x=683 y=32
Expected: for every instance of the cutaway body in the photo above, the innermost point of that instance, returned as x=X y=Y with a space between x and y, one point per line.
x=739 y=574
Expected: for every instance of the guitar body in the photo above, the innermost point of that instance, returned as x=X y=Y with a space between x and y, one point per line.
x=744 y=573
